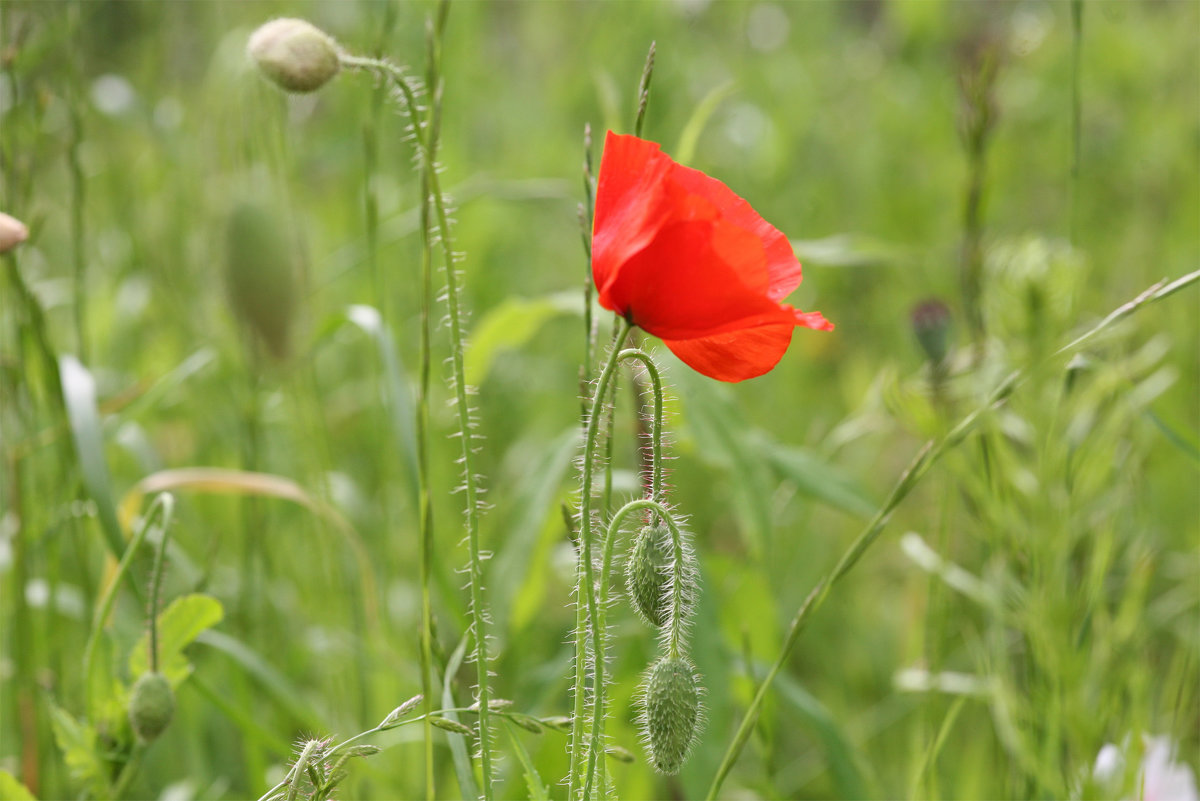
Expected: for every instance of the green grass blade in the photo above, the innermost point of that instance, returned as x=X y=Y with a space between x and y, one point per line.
x=87 y=430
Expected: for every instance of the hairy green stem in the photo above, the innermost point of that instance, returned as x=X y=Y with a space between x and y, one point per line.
x=585 y=582
x=925 y=458
x=426 y=135
x=656 y=470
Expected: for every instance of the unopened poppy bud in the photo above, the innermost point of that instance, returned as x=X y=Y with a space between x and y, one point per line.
x=260 y=275
x=151 y=706
x=296 y=55
x=672 y=713
x=12 y=232
x=931 y=324
x=646 y=576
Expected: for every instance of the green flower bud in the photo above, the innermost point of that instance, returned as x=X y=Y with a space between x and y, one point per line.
x=260 y=275
x=151 y=706
x=646 y=574
x=294 y=54
x=671 y=718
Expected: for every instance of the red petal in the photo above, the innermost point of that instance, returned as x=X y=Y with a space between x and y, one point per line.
x=783 y=269
x=680 y=287
x=736 y=355
x=628 y=205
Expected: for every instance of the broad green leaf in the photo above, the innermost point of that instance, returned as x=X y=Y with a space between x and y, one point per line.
x=537 y=788
x=79 y=394
x=13 y=790
x=178 y=625
x=80 y=750
x=510 y=325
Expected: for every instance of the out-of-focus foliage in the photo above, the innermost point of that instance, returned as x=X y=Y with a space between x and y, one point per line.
x=131 y=132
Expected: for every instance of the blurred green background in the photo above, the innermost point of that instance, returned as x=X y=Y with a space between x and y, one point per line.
x=129 y=131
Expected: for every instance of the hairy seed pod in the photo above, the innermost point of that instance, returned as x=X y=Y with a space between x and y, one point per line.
x=646 y=576
x=260 y=275
x=151 y=706
x=672 y=712
x=295 y=55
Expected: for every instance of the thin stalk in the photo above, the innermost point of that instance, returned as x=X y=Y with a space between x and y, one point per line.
x=586 y=216
x=585 y=581
x=926 y=457
x=156 y=587
x=428 y=680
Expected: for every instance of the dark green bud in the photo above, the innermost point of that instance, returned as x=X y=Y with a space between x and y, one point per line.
x=151 y=706
x=672 y=714
x=646 y=568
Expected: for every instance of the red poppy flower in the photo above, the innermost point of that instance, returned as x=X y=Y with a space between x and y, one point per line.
x=681 y=256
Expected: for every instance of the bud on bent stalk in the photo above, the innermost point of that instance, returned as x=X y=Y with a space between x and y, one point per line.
x=151 y=706
x=672 y=712
x=295 y=55
x=646 y=576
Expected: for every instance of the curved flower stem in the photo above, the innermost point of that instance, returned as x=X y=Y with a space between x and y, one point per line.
x=426 y=137
x=162 y=508
x=925 y=458
x=638 y=355
x=598 y=633
x=585 y=583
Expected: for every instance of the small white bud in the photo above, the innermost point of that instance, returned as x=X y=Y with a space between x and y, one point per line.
x=296 y=55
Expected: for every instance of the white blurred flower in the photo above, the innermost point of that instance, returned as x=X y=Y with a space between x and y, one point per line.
x=1160 y=777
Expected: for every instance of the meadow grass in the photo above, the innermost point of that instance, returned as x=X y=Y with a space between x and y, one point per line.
x=1025 y=595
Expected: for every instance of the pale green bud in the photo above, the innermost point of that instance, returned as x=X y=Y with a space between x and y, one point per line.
x=296 y=55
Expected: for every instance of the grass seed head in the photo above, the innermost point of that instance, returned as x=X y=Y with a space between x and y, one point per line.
x=295 y=55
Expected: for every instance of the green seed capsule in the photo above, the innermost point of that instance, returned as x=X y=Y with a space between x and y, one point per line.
x=646 y=576
x=151 y=706
x=672 y=714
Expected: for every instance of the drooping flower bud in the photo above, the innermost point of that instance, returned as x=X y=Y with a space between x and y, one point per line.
x=672 y=713
x=12 y=232
x=260 y=275
x=646 y=576
x=151 y=706
x=296 y=55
